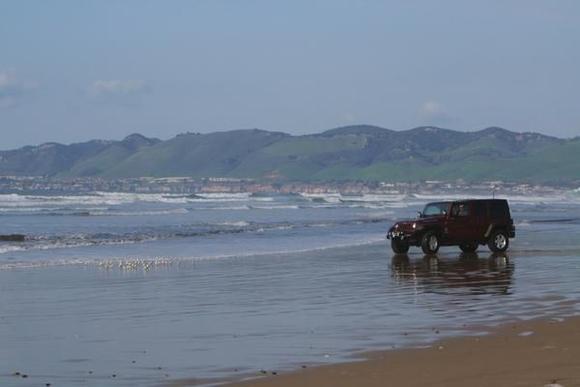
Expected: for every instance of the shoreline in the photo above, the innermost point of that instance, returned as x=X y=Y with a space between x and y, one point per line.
x=539 y=352
x=43 y=185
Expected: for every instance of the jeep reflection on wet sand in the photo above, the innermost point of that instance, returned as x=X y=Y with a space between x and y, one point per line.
x=466 y=223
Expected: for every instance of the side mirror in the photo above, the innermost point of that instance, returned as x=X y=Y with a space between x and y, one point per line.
x=419 y=214
x=444 y=213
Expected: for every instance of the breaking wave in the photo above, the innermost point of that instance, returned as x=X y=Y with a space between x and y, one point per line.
x=46 y=242
x=116 y=198
x=137 y=263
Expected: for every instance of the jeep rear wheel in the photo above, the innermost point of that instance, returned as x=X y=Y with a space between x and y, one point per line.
x=430 y=243
x=399 y=246
x=498 y=241
x=468 y=247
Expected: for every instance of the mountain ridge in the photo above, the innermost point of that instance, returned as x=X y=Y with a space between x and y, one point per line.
x=355 y=152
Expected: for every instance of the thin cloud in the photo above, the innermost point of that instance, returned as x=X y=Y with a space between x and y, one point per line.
x=118 y=88
x=432 y=112
x=349 y=117
x=12 y=89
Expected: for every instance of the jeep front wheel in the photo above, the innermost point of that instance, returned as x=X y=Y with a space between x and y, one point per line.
x=399 y=246
x=498 y=241
x=430 y=243
x=468 y=247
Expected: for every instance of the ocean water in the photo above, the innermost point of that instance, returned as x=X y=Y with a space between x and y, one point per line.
x=143 y=289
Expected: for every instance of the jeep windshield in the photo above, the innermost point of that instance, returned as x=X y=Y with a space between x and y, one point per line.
x=435 y=209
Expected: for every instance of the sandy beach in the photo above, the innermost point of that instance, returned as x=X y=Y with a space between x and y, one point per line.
x=150 y=292
x=537 y=353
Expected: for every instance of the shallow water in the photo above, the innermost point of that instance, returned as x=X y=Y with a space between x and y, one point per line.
x=273 y=295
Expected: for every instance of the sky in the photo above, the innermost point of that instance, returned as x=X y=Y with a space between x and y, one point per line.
x=74 y=70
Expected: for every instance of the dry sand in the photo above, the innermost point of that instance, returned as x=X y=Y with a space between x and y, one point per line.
x=537 y=353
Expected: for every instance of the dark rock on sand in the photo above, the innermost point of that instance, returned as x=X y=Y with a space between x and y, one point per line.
x=12 y=238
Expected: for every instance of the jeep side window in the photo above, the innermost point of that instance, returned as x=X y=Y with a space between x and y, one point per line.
x=461 y=209
x=498 y=210
x=434 y=209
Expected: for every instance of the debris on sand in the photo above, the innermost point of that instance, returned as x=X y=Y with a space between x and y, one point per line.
x=12 y=238
x=526 y=333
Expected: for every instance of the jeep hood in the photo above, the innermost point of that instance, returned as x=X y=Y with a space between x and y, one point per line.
x=407 y=224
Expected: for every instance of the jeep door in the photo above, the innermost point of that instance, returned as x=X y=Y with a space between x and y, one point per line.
x=460 y=227
x=480 y=220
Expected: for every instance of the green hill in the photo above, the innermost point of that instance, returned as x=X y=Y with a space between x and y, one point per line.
x=348 y=153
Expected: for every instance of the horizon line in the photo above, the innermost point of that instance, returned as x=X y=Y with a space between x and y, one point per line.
x=290 y=134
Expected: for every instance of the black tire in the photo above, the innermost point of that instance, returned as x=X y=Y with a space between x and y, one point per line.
x=468 y=247
x=498 y=241
x=399 y=246
x=430 y=243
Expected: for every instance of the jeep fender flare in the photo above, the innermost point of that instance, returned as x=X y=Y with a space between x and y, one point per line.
x=488 y=231
x=491 y=228
x=437 y=230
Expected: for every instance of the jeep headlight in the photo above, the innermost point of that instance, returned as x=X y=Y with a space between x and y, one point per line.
x=417 y=226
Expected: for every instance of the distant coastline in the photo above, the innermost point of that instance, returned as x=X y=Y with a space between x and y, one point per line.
x=352 y=153
x=30 y=185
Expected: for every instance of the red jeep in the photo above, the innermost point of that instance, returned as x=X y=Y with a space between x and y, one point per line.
x=466 y=223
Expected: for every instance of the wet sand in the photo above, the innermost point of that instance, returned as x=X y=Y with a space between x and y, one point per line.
x=536 y=353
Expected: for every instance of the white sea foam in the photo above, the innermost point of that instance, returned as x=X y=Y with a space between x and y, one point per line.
x=42 y=243
x=372 y=201
x=131 y=263
x=329 y=197
x=115 y=198
x=96 y=199
x=224 y=208
x=175 y=211
x=276 y=207
x=373 y=198
x=10 y=248
x=239 y=223
x=99 y=199
x=225 y=196
x=520 y=198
